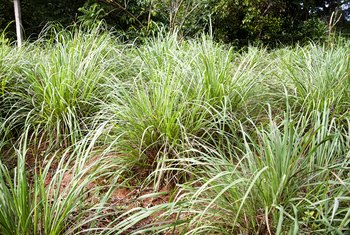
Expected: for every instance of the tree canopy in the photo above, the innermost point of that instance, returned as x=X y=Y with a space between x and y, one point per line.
x=233 y=21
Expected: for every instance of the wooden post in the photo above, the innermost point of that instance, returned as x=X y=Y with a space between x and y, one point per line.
x=18 y=21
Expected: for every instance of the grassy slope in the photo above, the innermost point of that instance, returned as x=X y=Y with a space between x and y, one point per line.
x=251 y=142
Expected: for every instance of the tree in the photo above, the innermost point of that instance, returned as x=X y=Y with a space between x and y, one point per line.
x=140 y=16
x=18 y=20
x=232 y=21
x=271 y=21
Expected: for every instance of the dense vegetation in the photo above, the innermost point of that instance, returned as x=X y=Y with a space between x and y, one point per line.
x=237 y=22
x=173 y=136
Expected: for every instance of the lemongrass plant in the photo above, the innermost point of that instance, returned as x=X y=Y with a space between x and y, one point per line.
x=60 y=194
x=290 y=176
x=257 y=141
x=10 y=60
x=59 y=83
x=179 y=88
x=315 y=75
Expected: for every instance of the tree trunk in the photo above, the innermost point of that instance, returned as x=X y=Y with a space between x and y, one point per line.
x=18 y=20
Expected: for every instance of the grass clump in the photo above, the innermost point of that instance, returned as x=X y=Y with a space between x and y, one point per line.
x=316 y=75
x=171 y=136
x=59 y=82
x=176 y=96
x=270 y=185
x=60 y=195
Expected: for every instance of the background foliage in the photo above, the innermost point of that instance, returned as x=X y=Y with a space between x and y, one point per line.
x=233 y=21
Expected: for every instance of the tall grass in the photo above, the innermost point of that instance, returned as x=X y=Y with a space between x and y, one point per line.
x=252 y=141
x=289 y=178
x=58 y=83
x=176 y=95
x=316 y=75
x=10 y=60
x=60 y=195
